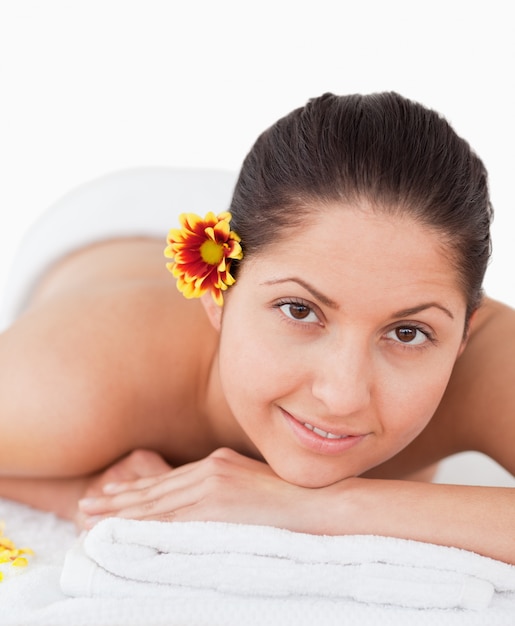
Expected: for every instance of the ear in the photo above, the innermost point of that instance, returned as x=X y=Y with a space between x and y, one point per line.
x=462 y=347
x=213 y=311
x=470 y=324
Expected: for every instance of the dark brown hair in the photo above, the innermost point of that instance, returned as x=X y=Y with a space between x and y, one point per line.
x=396 y=154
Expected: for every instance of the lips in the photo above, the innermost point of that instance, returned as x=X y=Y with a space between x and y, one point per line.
x=323 y=433
x=318 y=439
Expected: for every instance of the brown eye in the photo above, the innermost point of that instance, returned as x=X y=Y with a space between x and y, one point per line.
x=406 y=334
x=410 y=335
x=299 y=311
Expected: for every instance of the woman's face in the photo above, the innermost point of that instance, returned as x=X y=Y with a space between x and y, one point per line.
x=337 y=342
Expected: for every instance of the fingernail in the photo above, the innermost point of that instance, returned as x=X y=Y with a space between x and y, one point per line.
x=85 y=503
x=111 y=487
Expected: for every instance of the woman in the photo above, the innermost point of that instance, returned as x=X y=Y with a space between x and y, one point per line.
x=352 y=353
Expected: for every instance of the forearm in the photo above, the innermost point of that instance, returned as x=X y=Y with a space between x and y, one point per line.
x=229 y=487
x=58 y=495
x=480 y=519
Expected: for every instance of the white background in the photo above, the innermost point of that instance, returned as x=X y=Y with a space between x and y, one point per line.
x=89 y=87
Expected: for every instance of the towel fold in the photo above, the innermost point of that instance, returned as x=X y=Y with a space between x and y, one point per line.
x=128 y=558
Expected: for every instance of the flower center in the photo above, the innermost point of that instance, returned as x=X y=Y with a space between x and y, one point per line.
x=211 y=252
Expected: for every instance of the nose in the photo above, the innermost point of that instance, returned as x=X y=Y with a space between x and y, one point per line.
x=342 y=378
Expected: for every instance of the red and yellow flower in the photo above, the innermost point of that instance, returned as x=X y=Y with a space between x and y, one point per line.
x=202 y=251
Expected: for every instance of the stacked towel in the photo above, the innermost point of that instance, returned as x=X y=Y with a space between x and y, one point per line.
x=35 y=598
x=127 y=558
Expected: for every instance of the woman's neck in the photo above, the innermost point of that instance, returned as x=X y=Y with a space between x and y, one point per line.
x=224 y=427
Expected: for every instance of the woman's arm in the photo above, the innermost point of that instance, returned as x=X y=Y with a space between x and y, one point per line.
x=61 y=495
x=229 y=487
x=480 y=519
x=57 y=495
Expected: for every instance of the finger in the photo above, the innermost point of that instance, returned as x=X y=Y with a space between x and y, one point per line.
x=222 y=454
x=163 y=507
x=143 y=494
x=144 y=482
x=174 y=490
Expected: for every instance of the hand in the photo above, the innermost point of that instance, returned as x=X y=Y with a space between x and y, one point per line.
x=136 y=465
x=224 y=486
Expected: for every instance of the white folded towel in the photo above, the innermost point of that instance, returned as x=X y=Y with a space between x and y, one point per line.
x=128 y=558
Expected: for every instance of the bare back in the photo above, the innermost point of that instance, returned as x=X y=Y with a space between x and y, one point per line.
x=108 y=358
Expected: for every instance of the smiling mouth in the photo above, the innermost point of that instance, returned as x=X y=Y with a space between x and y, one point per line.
x=319 y=440
x=323 y=433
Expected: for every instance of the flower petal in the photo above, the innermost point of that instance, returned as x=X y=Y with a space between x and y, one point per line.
x=9 y=553
x=202 y=251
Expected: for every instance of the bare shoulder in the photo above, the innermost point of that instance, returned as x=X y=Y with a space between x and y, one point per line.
x=97 y=365
x=479 y=405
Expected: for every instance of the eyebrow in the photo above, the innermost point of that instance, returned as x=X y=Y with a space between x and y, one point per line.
x=314 y=292
x=333 y=305
x=422 y=307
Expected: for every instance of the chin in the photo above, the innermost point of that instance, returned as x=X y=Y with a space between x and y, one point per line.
x=316 y=479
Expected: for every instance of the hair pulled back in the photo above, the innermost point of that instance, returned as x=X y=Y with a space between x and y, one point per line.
x=396 y=154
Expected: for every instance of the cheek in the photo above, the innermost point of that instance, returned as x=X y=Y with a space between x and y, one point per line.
x=413 y=400
x=255 y=370
x=243 y=365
